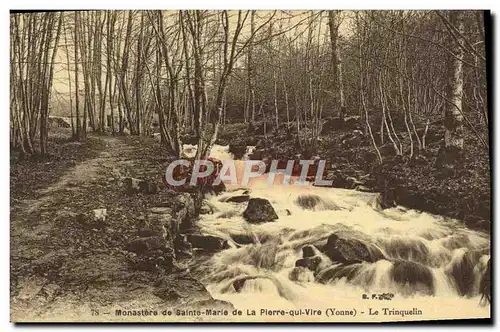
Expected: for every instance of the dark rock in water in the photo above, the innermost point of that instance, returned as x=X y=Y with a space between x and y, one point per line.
x=311 y=263
x=239 y=283
x=238 y=149
x=415 y=276
x=259 y=210
x=207 y=242
x=463 y=272
x=238 y=199
x=243 y=238
x=309 y=251
x=288 y=212
x=407 y=249
x=350 y=250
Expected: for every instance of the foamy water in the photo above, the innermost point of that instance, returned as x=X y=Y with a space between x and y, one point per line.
x=435 y=246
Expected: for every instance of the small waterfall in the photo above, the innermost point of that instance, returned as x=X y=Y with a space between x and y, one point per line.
x=419 y=257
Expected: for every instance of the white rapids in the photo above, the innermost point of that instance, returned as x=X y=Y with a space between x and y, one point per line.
x=440 y=246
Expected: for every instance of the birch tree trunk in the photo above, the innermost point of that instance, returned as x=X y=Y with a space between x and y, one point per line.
x=453 y=118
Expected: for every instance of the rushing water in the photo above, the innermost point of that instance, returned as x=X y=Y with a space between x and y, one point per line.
x=431 y=263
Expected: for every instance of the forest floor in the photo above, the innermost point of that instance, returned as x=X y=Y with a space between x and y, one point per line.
x=65 y=270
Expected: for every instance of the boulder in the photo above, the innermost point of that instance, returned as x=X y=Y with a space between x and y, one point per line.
x=349 y=250
x=413 y=277
x=463 y=272
x=208 y=243
x=310 y=251
x=243 y=239
x=238 y=148
x=310 y=263
x=259 y=210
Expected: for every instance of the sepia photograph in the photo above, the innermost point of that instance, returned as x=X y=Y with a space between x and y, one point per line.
x=250 y=166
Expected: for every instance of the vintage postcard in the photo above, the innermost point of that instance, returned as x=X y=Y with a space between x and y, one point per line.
x=250 y=166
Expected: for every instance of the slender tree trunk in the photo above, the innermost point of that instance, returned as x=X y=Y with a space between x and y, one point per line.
x=453 y=119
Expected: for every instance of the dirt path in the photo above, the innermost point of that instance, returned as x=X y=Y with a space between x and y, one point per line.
x=65 y=270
